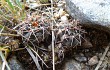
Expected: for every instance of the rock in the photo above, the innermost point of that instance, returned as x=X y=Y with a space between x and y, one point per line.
x=93 y=61
x=84 y=67
x=91 y=13
x=72 y=65
x=15 y=64
x=80 y=57
x=108 y=54
x=87 y=44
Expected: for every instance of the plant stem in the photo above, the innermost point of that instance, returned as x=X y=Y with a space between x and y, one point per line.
x=4 y=60
x=7 y=34
x=53 y=37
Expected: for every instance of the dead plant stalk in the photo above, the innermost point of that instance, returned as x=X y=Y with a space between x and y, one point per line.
x=7 y=34
x=102 y=58
x=53 y=37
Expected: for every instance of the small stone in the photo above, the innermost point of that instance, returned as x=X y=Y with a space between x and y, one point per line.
x=80 y=57
x=108 y=54
x=99 y=54
x=87 y=44
x=15 y=64
x=84 y=67
x=64 y=19
x=71 y=65
x=93 y=61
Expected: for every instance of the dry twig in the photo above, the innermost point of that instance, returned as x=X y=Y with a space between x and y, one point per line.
x=7 y=34
x=53 y=37
x=38 y=56
x=35 y=59
x=103 y=56
x=4 y=60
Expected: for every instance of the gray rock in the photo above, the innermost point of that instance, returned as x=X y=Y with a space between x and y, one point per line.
x=72 y=65
x=15 y=64
x=93 y=13
x=80 y=57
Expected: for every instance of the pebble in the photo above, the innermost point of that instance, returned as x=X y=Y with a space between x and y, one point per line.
x=15 y=64
x=108 y=54
x=81 y=57
x=72 y=65
x=93 y=61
